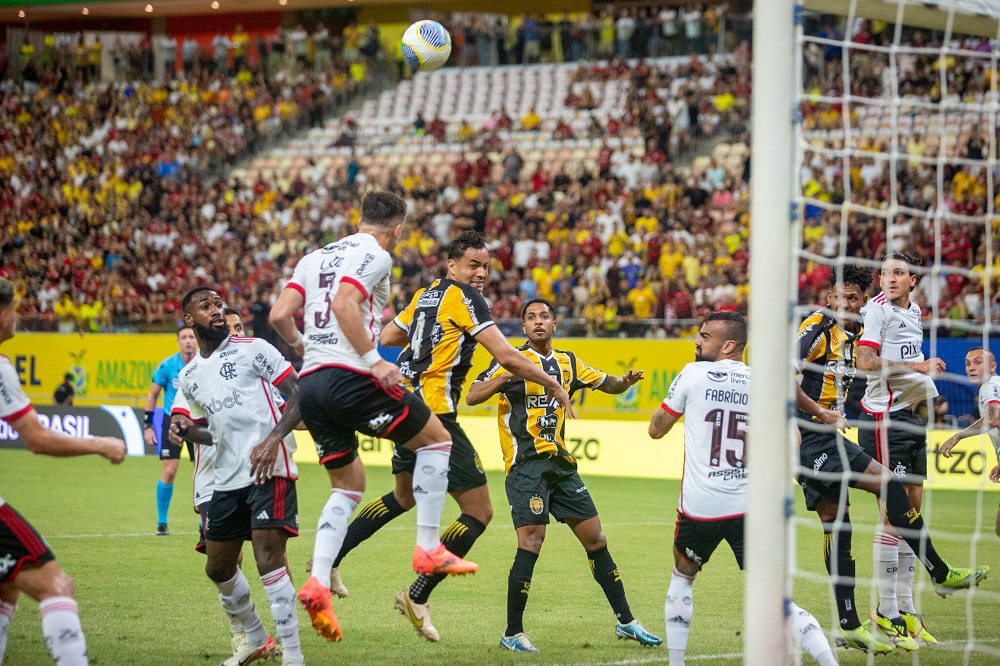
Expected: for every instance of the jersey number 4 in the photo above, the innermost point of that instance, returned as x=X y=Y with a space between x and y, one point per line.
x=735 y=430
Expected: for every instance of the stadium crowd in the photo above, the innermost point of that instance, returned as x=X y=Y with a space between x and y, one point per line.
x=117 y=202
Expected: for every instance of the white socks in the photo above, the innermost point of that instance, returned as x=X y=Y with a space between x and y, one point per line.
x=430 y=486
x=62 y=631
x=235 y=597
x=281 y=595
x=6 y=614
x=806 y=631
x=885 y=556
x=333 y=521
x=678 y=611
x=904 y=578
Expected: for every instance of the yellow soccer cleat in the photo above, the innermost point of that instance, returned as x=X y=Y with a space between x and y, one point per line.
x=915 y=626
x=861 y=639
x=895 y=630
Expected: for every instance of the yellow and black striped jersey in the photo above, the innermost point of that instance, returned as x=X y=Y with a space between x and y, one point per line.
x=827 y=359
x=441 y=323
x=531 y=424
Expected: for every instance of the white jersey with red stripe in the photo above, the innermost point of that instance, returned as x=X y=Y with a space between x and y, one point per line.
x=358 y=260
x=14 y=403
x=990 y=393
x=713 y=398
x=231 y=391
x=896 y=334
x=204 y=456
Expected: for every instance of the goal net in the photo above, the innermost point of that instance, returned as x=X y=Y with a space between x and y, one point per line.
x=885 y=142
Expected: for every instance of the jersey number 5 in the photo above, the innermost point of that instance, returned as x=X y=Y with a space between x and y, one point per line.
x=325 y=282
x=735 y=426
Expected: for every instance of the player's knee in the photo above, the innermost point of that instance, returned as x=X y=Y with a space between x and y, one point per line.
x=405 y=498
x=219 y=572
x=532 y=541
x=596 y=542
x=484 y=514
x=61 y=585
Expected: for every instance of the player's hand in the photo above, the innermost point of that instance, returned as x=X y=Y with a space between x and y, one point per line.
x=562 y=397
x=112 y=448
x=149 y=435
x=387 y=374
x=931 y=367
x=175 y=429
x=948 y=445
x=834 y=418
x=262 y=460
x=995 y=474
x=632 y=377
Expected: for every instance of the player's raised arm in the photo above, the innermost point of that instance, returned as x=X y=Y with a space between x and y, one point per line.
x=518 y=364
x=47 y=442
x=980 y=426
x=393 y=335
x=616 y=385
x=671 y=409
x=282 y=315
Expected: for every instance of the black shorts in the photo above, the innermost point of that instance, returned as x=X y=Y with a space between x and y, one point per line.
x=898 y=440
x=825 y=453
x=338 y=403
x=20 y=543
x=697 y=539
x=465 y=469
x=537 y=487
x=234 y=514
x=168 y=450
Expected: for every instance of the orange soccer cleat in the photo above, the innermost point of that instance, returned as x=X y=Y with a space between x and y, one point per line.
x=316 y=600
x=441 y=561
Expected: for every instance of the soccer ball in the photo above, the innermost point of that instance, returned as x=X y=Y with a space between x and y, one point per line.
x=426 y=46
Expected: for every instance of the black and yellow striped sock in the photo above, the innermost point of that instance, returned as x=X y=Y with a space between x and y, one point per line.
x=373 y=517
x=458 y=539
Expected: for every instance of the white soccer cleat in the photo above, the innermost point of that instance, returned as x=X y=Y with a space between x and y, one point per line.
x=237 y=640
x=336 y=585
x=247 y=654
x=419 y=615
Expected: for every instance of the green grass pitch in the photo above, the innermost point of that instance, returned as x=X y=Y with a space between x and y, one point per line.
x=146 y=600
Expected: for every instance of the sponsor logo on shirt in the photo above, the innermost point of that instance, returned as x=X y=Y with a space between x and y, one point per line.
x=216 y=405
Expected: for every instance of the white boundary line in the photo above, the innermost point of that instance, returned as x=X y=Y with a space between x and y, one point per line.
x=737 y=655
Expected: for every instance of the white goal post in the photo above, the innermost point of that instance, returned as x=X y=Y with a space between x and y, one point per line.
x=775 y=248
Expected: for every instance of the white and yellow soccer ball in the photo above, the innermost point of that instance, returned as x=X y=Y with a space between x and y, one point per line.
x=426 y=46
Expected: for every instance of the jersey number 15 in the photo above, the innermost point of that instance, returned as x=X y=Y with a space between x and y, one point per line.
x=735 y=430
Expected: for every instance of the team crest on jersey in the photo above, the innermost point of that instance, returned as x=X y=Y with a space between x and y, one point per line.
x=536 y=504
x=228 y=371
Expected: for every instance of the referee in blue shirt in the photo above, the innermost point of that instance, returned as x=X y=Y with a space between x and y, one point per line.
x=165 y=379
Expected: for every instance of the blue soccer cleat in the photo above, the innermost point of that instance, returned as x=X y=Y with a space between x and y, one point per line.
x=518 y=643
x=634 y=631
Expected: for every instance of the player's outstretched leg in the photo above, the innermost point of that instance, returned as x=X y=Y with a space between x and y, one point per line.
x=807 y=633
x=234 y=593
x=432 y=446
x=8 y=603
x=414 y=603
x=518 y=587
x=605 y=572
x=678 y=611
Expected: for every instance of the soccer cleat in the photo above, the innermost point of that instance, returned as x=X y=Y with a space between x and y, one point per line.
x=237 y=640
x=916 y=629
x=248 y=654
x=290 y=661
x=161 y=529
x=336 y=585
x=419 y=615
x=895 y=630
x=316 y=600
x=634 y=631
x=960 y=579
x=518 y=643
x=861 y=639
x=441 y=561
